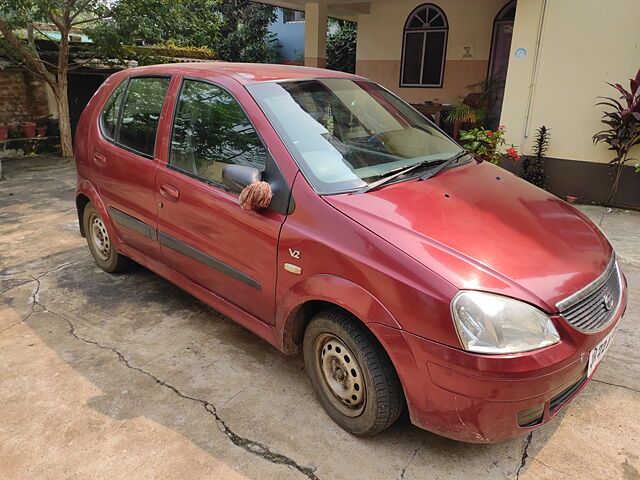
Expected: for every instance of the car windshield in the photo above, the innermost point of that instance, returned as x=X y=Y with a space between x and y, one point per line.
x=346 y=133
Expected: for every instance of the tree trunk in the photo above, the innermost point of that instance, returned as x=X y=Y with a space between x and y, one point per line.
x=34 y=64
x=62 y=101
x=616 y=180
x=62 y=95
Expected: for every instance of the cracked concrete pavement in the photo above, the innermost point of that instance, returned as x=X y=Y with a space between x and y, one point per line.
x=126 y=376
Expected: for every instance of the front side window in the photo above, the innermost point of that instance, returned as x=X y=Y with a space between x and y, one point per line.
x=424 y=47
x=210 y=131
x=345 y=133
x=141 y=114
x=111 y=112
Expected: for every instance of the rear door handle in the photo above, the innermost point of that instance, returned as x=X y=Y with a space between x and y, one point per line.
x=99 y=159
x=169 y=192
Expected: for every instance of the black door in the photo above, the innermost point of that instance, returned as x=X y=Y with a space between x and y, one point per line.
x=82 y=86
x=500 y=52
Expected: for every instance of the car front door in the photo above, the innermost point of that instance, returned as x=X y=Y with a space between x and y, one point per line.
x=203 y=232
x=125 y=160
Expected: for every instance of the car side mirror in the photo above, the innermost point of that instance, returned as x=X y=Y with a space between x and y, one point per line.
x=237 y=177
x=254 y=193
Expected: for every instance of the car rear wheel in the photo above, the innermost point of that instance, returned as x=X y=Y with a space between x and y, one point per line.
x=100 y=242
x=351 y=374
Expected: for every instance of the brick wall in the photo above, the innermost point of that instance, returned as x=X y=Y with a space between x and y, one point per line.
x=23 y=97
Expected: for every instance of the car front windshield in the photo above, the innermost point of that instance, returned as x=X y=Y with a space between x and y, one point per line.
x=347 y=133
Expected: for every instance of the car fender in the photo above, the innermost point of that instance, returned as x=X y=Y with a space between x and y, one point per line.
x=359 y=302
x=87 y=189
x=331 y=289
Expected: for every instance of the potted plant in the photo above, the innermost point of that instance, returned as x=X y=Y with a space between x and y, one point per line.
x=487 y=144
x=623 y=127
x=29 y=129
x=42 y=126
x=15 y=132
x=4 y=132
x=473 y=108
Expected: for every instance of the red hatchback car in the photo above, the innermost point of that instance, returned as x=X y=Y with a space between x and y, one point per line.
x=409 y=273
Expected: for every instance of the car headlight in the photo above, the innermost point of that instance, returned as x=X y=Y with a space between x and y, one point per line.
x=488 y=323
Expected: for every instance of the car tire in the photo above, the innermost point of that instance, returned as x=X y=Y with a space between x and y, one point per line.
x=100 y=242
x=351 y=374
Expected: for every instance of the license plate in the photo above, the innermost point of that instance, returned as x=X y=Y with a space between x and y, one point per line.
x=598 y=352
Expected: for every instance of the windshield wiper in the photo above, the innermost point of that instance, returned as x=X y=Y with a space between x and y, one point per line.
x=442 y=166
x=370 y=186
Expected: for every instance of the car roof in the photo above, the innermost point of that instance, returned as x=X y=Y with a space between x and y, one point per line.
x=242 y=72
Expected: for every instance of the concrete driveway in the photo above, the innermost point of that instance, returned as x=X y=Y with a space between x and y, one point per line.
x=126 y=376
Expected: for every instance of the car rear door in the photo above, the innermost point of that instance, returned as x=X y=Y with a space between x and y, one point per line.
x=203 y=232
x=125 y=162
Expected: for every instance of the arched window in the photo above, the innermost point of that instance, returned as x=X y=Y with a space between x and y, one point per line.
x=424 y=47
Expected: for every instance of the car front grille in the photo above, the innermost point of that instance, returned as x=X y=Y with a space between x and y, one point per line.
x=593 y=308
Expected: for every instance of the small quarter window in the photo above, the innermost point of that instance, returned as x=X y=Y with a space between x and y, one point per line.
x=141 y=113
x=109 y=116
x=210 y=131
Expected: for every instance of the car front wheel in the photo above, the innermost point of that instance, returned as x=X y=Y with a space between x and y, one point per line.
x=351 y=374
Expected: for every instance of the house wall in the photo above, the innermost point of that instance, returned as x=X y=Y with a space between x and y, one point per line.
x=22 y=97
x=290 y=37
x=380 y=35
x=580 y=45
x=583 y=44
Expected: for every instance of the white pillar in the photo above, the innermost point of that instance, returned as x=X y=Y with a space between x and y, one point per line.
x=315 y=34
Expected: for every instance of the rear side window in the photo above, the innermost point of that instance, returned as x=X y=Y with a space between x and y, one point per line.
x=111 y=112
x=141 y=113
x=211 y=131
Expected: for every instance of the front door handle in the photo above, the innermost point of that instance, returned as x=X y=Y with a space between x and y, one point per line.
x=99 y=159
x=169 y=192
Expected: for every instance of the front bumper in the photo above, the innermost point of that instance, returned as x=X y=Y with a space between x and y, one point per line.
x=490 y=404
x=489 y=398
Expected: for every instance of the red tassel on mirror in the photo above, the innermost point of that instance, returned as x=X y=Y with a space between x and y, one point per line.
x=255 y=196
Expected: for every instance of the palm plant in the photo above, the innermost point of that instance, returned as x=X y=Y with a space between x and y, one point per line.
x=473 y=108
x=623 y=127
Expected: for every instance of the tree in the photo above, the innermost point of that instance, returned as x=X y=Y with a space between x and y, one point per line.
x=185 y=23
x=65 y=15
x=244 y=34
x=236 y=29
x=114 y=26
x=341 y=46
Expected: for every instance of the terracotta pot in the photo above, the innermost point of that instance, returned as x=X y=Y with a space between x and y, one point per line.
x=29 y=129
x=571 y=199
x=41 y=131
x=4 y=132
